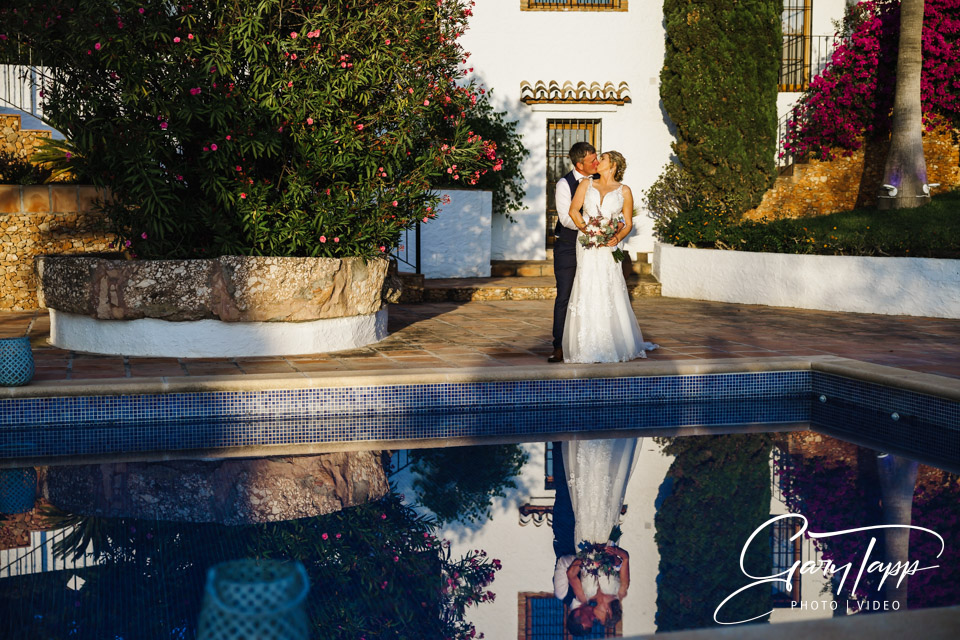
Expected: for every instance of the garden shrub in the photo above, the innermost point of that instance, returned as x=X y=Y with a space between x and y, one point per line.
x=719 y=87
x=853 y=97
x=259 y=127
x=14 y=169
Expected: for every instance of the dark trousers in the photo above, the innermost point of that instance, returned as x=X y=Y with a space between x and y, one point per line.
x=563 y=520
x=565 y=270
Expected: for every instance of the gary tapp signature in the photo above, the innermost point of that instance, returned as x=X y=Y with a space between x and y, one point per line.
x=889 y=569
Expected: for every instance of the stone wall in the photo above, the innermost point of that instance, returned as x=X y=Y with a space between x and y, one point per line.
x=815 y=188
x=20 y=142
x=42 y=219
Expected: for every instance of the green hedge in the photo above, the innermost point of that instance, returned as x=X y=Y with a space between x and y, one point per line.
x=719 y=87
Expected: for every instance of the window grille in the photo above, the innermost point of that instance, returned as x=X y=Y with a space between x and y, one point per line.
x=561 y=135
x=544 y=618
x=785 y=553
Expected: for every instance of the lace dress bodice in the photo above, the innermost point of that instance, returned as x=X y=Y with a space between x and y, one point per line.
x=609 y=206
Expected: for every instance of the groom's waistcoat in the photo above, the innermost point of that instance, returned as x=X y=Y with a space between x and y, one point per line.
x=561 y=232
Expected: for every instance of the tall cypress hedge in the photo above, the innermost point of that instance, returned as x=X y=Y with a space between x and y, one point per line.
x=719 y=87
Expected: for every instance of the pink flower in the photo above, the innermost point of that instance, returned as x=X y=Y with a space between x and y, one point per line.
x=97 y=46
x=140 y=10
x=189 y=36
x=394 y=203
x=425 y=219
x=382 y=249
x=243 y=196
x=206 y=148
x=309 y=120
x=144 y=235
x=323 y=238
x=324 y=536
x=293 y=34
x=338 y=536
x=68 y=155
x=213 y=147
x=239 y=168
x=228 y=137
x=176 y=39
x=388 y=42
x=163 y=125
x=337 y=240
x=426 y=103
x=359 y=127
x=195 y=91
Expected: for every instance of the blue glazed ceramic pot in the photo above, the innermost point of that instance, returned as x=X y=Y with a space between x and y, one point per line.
x=16 y=362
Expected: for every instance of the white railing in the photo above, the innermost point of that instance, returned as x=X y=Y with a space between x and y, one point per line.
x=38 y=556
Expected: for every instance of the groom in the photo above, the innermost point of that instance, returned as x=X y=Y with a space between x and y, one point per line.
x=584 y=159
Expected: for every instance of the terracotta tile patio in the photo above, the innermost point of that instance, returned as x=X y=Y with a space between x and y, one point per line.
x=517 y=333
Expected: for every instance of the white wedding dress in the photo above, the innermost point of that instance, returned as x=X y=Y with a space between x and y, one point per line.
x=600 y=324
x=598 y=472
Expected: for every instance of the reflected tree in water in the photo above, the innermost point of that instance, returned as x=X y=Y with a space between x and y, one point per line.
x=460 y=483
x=716 y=493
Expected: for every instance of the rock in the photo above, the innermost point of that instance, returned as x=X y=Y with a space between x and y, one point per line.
x=229 y=288
x=235 y=491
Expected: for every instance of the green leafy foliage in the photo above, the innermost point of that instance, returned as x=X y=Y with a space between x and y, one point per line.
x=933 y=232
x=719 y=87
x=16 y=170
x=460 y=483
x=377 y=570
x=505 y=178
x=719 y=493
x=258 y=127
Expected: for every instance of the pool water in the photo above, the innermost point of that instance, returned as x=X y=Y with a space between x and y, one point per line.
x=126 y=553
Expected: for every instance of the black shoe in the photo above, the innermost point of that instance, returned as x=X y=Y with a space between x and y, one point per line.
x=557 y=356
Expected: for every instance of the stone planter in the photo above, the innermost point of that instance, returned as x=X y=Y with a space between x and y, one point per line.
x=235 y=491
x=232 y=306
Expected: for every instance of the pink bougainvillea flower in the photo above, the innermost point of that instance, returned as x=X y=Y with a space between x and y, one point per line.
x=323 y=238
x=163 y=125
x=387 y=42
x=426 y=103
x=140 y=10
x=394 y=203
x=144 y=235
x=97 y=46
x=239 y=168
x=359 y=127
x=309 y=120
x=337 y=240
x=243 y=196
x=324 y=536
x=176 y=39
x=293 y=34
x=228 y=137
x=195 y=91
x=189 y=36
x=213 y=147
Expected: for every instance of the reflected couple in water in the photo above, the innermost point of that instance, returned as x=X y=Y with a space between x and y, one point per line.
x=592 y=573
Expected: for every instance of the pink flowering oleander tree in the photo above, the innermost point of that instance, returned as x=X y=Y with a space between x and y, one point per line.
x=258 y=127
x=853 y=98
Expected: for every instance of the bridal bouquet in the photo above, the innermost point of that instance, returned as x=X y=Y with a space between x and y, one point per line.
x=598 y=233
x=595 y=560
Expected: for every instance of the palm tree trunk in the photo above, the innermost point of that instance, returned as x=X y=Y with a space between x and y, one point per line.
x=898 y=479
x=906 y=169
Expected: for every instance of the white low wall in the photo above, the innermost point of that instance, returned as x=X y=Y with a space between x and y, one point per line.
x=894 y=286
x=456 y=244
x=214 y=338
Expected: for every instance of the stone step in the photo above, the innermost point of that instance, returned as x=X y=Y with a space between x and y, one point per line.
x=513 y=288
x=535 y=268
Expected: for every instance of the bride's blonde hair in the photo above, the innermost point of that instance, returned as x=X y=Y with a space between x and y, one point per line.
x=617 y=158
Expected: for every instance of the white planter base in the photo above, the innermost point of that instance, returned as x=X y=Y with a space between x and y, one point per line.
x=214 y=338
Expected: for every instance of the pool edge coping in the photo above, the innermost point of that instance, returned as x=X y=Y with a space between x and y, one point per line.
x=926 y=383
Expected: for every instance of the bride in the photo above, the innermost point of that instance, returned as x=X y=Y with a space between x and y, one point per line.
x=597 y=475
x=600 y=324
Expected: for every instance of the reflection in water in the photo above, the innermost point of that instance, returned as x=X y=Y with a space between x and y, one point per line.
x=382 y=569
x=715 y=494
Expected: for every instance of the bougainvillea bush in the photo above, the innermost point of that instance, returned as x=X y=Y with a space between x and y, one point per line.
x=853 y=97
x=263 y=127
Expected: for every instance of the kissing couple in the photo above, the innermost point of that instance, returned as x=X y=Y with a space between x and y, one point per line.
x=593 y=320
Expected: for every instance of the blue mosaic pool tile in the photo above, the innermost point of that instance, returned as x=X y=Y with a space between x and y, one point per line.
x=898 y=419
x=396 y=398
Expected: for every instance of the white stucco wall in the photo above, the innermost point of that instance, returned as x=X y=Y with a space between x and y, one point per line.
x=456 y=244
x=509 y=46
x=896 y=286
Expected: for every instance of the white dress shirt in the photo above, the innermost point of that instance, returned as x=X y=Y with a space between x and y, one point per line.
x=564 y=198
x=561 y=584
